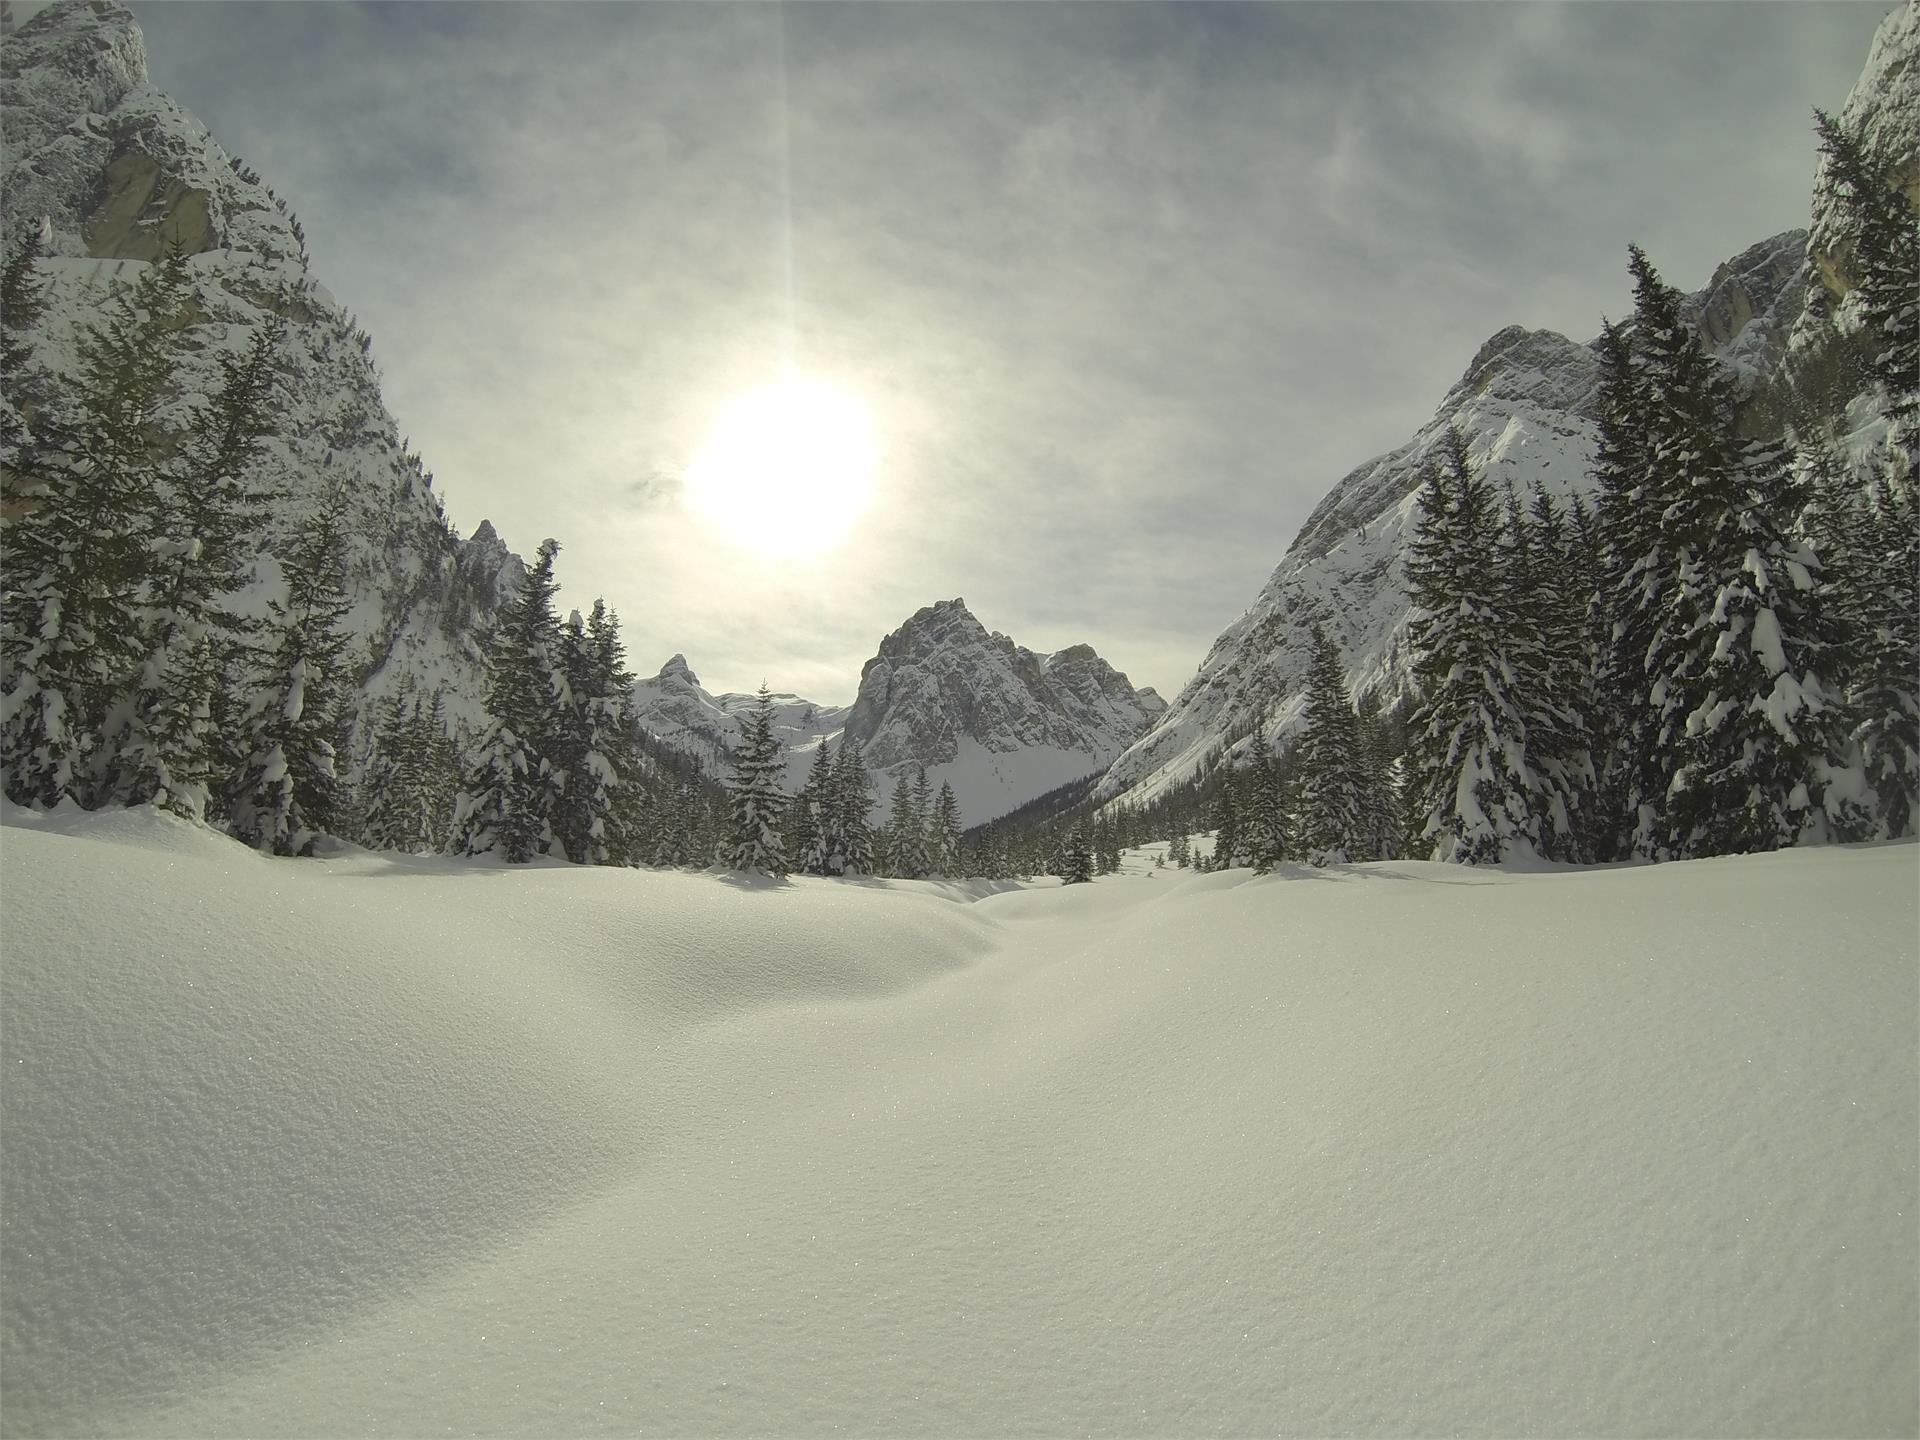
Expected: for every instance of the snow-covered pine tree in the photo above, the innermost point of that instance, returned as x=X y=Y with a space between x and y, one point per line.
x=1261 y=836
x=1076 y=859
x=79 y=560
x=619 y=797
x=944 y=832
x=1886 y=258
x=1745 y=722
x=287 y=791
x=160 y=744
x=385 y=821
x=1333 y=783
x=1226 y=818
x=1545 y=614
x=507 y=803
x=1631 y=776
x=1467 y=739
x=918 y=856
x=1886 y=694
x=902 y=840
x=853 y=806
x=756 y=796
x=819 y=836
x=1380 y=805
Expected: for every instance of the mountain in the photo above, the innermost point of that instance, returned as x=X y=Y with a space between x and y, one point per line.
x=1000 y=722
x=120 y=171
x=676 y=708
x=1526 y=405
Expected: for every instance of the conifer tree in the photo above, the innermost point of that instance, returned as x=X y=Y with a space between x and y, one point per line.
x=1545 y=613
x=508 y=802
x=1743 y=718
x=1076 y=860
x=617 y=799
x=1226 y=820
x=904 y=859
x=1886 y=258
x=1631 y=778
x=944 y=831
x=819 y=837
x=852 y=812
x=1333 y=785
x=1261 y=833
x=755 y=795
x=1467 y=741
x=78 y=563
x=160 y=745
x=1380 y=805
x=1886 y=697
x=287 y=792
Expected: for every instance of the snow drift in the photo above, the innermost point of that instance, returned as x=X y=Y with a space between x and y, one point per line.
x=383 y=1146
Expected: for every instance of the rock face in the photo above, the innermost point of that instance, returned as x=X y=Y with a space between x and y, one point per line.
x=1526 y=404
x=121 y=172
x=1000 y=722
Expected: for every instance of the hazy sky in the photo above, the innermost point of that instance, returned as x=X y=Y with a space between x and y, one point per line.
x=1125 y=287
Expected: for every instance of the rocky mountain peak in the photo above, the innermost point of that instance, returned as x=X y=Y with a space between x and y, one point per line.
x=677 y=670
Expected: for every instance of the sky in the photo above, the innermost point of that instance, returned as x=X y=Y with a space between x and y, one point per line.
x=1123 y=288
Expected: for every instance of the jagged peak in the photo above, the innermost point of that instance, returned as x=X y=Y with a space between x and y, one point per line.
x=678 y=669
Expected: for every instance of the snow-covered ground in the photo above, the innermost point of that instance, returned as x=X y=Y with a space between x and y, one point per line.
x=383 y=1146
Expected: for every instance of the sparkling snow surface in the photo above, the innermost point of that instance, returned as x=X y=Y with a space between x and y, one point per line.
x=381 y=1146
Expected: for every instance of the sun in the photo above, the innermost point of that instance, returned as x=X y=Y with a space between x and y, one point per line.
x=786 y=468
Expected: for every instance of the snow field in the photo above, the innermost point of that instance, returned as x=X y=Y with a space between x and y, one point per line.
x=374 y=1146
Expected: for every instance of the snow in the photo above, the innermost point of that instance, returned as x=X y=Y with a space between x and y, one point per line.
x=369 y=1145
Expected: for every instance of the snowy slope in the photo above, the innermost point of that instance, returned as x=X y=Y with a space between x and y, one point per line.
x=121 y=170
x=387 y=1146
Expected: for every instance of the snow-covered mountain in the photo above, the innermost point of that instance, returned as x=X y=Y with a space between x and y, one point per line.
x=1000 y=722
x=121 y=171
x=679 y=710
x=1526 y=406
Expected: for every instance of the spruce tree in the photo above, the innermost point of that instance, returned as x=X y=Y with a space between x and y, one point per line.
x=1076 y=860
x=510 y=796
x=287 y=792
x=79 y=562
x=1226 y=819
x=1886 y=697
x=853 y=805
x=1467 y=740
x=819 y=836
x=944 y=831
x=903 y=853
x=618 y=797
x=1333 y=784
x=1261 y=835
x=1743 y=719
x=755 y=795
x=159 y=745
x=1886 y=258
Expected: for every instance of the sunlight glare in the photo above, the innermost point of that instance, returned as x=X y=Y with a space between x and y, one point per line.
x=786 y=468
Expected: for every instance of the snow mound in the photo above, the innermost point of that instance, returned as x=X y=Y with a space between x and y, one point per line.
x=371 y=1146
